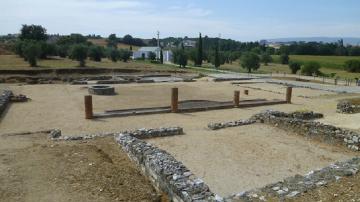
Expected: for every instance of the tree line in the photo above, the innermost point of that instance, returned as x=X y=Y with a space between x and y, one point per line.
x=32 y=45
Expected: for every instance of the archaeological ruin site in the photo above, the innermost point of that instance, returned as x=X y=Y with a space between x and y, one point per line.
x=179 y=137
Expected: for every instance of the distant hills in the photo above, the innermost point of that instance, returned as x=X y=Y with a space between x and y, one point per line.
x=347 y=40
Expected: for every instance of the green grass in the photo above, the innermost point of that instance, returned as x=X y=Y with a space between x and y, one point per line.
x=328 y=62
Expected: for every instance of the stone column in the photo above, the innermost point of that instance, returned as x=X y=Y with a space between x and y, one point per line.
x=236 y=98
x=174 y=100
x=88 y=107
x=288 y=94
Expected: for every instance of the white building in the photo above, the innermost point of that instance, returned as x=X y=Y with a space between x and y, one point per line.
x=144 y=52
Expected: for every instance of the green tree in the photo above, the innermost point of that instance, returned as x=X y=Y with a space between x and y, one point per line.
x=113 y=54
x=63 y=50
x=161 y=57
x=33 y=32
x=284 y=59
x=79 y=52
x=352 y=66
x=216 y=61
x=31 y=51
x=250 y=61
x=199 y=55
x=294 y=66
x=311 y=68
x=180 y=57
x=112 y=41
x=266 y=58
x=96 y=53
x=124 y=55
x=152 y=56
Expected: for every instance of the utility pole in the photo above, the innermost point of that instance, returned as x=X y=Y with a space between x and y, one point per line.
x=158 y=39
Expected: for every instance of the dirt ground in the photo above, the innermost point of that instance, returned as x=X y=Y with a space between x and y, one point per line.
x=33 y=168
x=239 y=159
x=61 y=106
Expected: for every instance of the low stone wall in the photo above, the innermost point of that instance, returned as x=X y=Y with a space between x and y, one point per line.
x=165 y=172
x=346 y=107
x=139 y=133
x=312 y=129
x=294 y=186
x=4 y=100
x=218 y=126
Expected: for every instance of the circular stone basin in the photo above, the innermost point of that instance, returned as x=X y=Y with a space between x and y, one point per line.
x=102 y=90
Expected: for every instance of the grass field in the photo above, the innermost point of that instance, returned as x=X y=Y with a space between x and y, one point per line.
x=102 y=42
x=15 y=62
x=328 y=62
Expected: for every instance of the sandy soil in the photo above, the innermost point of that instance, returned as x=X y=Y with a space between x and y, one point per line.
x=33 y=168
x=239 y=159
x=61 y=106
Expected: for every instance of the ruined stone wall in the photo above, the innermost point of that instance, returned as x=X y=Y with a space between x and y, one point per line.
x=165 y=172
x=4 y=100
x=312 y=129
x=294 y=186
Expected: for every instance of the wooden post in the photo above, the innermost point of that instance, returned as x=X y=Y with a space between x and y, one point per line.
x=174 y=100
x=288 y=94
x=236 y=98
x=88 y=107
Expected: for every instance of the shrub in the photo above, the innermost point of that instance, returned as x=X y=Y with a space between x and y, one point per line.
x=79 y=53
x=152 y=56
x=266 y=58
x=284 y=59
x=125 y=55
x=96 y=53
x=352 y=66
x=294 y=67
x=113 y=54
x=311 y=68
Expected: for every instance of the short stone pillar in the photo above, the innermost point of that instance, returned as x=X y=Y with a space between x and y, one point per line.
x=88 y=107
x=246 y=92
x=174 y=100
x=288 y=94
x=236 y=98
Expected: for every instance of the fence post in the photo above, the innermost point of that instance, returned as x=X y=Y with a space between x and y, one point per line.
x=288 y=94
x=174 y=100
x=88 y=107
x=236 y=98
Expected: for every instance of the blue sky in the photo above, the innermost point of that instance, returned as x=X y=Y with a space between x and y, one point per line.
x=243 y=20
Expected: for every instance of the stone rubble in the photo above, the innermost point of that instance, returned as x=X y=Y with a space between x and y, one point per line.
x=346 y=107
x=327 y=133
x=217 y=126
x=4 y=100
x=296 y=185
x=142 y=133
x=165 y=172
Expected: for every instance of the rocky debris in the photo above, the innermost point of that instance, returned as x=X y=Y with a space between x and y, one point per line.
x=4 y=100
x=294 y=186
x=139 y=133
x=217 y=126
x=306 y=115
x=346 y=107
x=165 y=172
x=144 y=133
x=19 y=98
x=312 y=129
x=56 y=133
